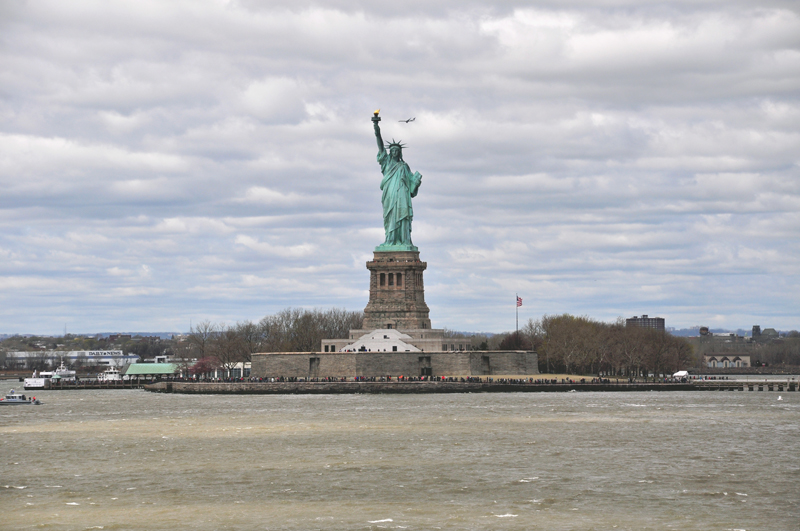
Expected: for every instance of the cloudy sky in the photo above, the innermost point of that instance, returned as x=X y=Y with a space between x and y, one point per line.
x=169 y=162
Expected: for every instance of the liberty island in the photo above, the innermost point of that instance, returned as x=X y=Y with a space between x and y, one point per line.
x=396 y=336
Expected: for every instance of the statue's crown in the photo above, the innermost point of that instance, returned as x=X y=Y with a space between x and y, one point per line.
x=394 y=143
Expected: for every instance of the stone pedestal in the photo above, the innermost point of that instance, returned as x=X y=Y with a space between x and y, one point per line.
x=396 y=292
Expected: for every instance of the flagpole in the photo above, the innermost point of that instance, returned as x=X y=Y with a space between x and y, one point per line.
x=516 y=306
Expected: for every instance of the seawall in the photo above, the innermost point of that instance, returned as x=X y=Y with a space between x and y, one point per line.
x=310 y=388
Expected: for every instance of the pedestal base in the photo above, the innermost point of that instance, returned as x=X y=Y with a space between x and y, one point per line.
x=389 y=248
x=396 y=292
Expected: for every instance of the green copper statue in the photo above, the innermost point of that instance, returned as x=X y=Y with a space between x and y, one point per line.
x=399 y=185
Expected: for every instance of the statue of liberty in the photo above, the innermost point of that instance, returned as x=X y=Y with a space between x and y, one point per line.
x=399 y=185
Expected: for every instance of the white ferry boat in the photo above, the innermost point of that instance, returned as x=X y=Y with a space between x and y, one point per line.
x=111 y=374
x=14 y=399
x=42 y=379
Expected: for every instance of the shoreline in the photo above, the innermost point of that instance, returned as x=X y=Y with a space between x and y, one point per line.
x=283 y=388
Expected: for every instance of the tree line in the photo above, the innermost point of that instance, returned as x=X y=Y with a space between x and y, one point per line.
x=217 y=345
x=565 y=343
x=581 y=345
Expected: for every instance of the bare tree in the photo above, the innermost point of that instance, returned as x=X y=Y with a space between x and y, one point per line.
x=201 y=338
x=251 y=339
x=278 y=330
x=680 y=354
x=298 y=330
x=562 y=341
x=630 y=346
x=228 y=348
x=515 y=341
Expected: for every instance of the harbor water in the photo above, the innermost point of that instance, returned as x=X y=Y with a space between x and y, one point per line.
x=130 y=459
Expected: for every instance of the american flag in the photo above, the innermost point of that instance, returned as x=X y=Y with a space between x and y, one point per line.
x=519 y=301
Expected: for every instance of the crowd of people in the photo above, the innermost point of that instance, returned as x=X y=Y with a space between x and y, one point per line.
x=406 y=379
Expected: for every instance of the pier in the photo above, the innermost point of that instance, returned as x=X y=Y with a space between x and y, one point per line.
x=747 y=385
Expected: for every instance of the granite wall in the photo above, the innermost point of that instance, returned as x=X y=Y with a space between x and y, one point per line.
x=349 y=364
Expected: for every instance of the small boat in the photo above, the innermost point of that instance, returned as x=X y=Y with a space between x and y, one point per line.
x=109 y=375
x=14 y=399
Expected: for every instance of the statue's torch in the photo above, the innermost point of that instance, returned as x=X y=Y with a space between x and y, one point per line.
x=375 y=117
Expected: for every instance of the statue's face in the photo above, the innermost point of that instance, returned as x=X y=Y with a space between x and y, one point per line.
x=395 y=152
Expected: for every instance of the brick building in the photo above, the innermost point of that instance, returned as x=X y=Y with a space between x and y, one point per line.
x=656 y=323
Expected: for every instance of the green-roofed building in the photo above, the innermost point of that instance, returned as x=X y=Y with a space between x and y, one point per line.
x=148 y=371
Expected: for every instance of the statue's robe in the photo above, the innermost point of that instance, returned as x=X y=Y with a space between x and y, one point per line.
x=399 y=185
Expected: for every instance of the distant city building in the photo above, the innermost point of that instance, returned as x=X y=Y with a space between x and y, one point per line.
x=727 y=337
x=72 y=358
x=767 y=334
x=726 y=361
x=656 y=323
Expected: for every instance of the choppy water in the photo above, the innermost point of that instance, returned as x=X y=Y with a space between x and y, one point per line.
x=584 y=461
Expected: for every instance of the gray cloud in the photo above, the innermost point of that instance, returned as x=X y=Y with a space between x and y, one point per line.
x=162 y=163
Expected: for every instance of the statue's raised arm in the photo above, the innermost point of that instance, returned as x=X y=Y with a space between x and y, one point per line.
x=375 y=120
